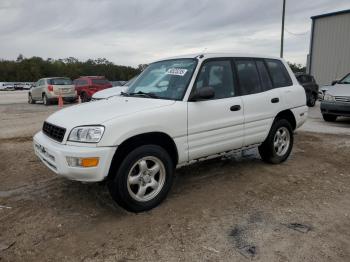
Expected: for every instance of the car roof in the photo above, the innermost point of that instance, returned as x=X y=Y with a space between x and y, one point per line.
x=217 y=55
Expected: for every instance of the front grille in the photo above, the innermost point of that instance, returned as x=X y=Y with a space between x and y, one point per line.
x=342 y=99
x=54 y=132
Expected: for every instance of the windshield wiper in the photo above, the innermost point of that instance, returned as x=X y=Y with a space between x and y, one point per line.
x=124 y=93
x=140 y=93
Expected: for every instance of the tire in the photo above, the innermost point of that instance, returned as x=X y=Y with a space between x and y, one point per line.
x=84 y=98
x=277 y=147
x=311 y=101
x=46 y=100
x=135 y=192
x=30 y=99
x=329 y=118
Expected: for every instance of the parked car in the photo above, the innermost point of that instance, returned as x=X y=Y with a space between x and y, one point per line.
x=336 y=101
x=310 y=86
x=86 y=86
x=113 y=91
x=177 y=112
x=49 y=89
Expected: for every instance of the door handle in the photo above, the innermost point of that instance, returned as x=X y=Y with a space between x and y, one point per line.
x=235 y=108
x=275 y=100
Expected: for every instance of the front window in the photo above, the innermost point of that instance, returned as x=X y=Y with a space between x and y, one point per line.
x=345 y=80
x=60 y=81
x=165 y=79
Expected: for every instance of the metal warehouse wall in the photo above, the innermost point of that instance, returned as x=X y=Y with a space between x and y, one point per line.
x=330 y=57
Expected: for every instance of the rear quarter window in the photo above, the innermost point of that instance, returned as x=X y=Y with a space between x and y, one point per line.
x=279 y=74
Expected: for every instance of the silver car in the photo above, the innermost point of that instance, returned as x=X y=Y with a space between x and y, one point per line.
x=48 y=90
x=336 y=100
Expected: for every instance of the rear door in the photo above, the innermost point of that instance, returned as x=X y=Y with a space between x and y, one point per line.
x=261 y=101
x=292 y=93
x=215 y=125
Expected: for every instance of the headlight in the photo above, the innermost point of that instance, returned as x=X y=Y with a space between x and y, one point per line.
x=328 y=97
x=86 y=134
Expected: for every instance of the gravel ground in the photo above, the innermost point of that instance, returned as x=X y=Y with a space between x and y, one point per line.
x=236 y=209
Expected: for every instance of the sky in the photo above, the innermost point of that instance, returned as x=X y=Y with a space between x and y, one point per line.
x=132 y=32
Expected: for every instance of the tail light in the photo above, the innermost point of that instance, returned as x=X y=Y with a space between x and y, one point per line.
x=50 y=88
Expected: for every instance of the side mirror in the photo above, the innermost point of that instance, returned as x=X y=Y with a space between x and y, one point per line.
x=334 y=82
x=203 y=93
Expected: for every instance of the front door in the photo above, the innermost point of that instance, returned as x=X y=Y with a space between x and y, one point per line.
x=215 y=125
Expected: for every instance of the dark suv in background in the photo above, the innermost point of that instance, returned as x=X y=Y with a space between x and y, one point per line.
x=86 y=86
x=310 y=86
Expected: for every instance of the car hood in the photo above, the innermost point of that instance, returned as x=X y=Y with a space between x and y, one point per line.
x=98 y=112
x=113 y=91
x=339 y=90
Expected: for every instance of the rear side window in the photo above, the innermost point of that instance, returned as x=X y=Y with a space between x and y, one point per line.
x=279 y=73
x=248 y=77
x=264 y=75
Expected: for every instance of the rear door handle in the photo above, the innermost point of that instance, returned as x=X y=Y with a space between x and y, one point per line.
x=275 y=100
x=235 y=108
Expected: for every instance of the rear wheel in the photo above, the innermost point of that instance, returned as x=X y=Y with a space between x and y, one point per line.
x=30 y=99
x=143 y=178
x=329 y=118
x=46 y=100
x=279 y=143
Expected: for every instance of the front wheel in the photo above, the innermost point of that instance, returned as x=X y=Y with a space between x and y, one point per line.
x=143 y=178
x=278 y=144
x=84 y=98
x=311 y=100
x=30 y=99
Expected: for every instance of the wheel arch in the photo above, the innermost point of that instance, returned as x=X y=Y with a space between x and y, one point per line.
x=156 y=138
x=289 y=116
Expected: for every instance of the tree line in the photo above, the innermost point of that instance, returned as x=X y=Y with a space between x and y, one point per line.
x=33 y=68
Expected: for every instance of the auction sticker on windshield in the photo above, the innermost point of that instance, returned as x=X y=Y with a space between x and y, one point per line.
x=176 y=71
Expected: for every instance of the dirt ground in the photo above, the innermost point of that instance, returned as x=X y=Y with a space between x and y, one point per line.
x=236 y=209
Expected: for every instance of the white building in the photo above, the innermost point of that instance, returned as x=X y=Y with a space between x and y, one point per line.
x=329 y=57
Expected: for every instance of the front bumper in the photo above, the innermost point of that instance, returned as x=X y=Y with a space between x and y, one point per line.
x=335 y=108
x=54 y=154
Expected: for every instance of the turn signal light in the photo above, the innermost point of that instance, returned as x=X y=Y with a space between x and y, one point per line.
x=82 y=162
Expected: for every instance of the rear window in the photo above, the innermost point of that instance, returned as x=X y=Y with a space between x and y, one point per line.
x=60 y=81
x=100 y=81
x=279 y=73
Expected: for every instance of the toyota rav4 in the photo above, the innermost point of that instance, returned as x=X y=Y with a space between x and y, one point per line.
x=178 y=111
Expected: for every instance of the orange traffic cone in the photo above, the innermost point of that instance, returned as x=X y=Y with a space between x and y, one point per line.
x=79 y=100
x=60 y=101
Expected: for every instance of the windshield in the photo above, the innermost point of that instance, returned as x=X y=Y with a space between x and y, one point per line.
x=345 y=80
x=60 y=81
x=165 y=79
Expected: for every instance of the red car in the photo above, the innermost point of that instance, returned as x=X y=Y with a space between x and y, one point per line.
x=86 y=86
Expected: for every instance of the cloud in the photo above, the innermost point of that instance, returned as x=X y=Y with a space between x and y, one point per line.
x=132 y=32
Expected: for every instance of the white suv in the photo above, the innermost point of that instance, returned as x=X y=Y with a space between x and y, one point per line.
x=178 y=111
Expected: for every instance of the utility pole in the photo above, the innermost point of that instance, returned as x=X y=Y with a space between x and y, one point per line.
x=282 y=31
